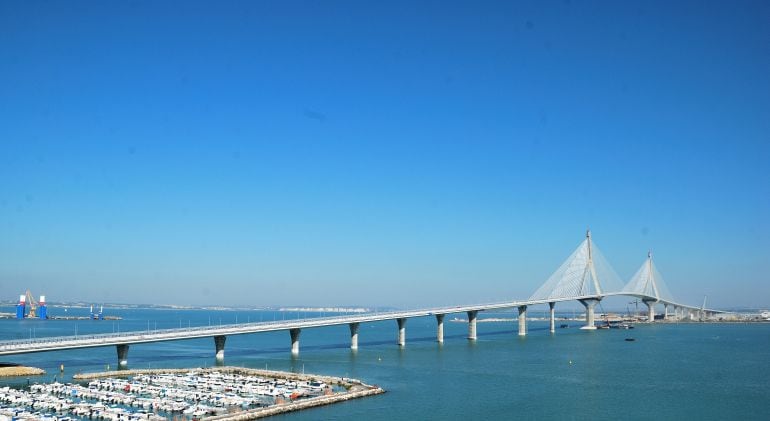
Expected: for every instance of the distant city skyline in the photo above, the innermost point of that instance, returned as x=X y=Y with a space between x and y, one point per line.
x=380 y=154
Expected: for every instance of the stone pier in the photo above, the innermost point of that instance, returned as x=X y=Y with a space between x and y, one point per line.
x=122 y=357
x=294 y=341
x=589 y=304
x=552 y=317
x=353 y=336
x=401 y=331
x=440 y=329
x=650 y=311
x=472 y=324
x=219 y=346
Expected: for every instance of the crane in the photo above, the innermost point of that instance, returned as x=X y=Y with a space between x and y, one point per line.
x=636 y=303
x=32 y=305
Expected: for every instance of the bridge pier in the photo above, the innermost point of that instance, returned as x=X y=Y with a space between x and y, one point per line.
x=122 y=357
x=552 y=317
x=294 y=341
x=665 y=311
x=353 y=335
x=219 y=346
x=650 y=310
x=522 y=320
x=401 y=331
x=472 y=324
x=440 y=330
x=589 y=304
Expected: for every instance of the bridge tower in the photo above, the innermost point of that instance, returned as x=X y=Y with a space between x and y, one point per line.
x=585 y=276
x=647 y=283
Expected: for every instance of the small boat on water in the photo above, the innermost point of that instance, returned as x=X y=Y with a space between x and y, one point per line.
x=564 y=326
x=630 y=339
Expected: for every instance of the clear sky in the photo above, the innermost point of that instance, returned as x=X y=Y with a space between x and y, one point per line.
x=380 y=153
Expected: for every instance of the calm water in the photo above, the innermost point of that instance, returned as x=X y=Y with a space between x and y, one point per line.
x=687 y=371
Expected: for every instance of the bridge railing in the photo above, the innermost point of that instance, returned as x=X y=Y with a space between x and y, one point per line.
x=213 y=330
x=248 y=327
x=197 y=330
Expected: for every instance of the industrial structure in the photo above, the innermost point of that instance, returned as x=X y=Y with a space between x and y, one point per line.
x=99 y=315
x=29 y=308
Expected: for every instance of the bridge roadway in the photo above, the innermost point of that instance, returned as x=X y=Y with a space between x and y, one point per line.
x=219 y=333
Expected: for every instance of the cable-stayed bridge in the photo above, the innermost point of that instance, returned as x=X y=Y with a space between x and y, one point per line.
x=585 y=276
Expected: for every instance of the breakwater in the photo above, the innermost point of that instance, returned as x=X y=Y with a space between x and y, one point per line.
x=296 y=406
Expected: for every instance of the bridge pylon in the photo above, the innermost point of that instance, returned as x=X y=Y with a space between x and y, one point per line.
x=647 y=283
x=585 y=275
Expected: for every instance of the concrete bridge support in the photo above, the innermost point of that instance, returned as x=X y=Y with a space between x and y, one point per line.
x=522 y=320
x=122 y=357
x=589 y=304
x=401 y=331
x=472 y=324
x=650 y=311
x=353 y=336
x=552 y=317
x=294 y=341
x=219 y=346
x=440 y=330
x=665 y=312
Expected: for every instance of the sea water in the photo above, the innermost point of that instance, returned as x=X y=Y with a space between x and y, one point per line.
x=670 y=371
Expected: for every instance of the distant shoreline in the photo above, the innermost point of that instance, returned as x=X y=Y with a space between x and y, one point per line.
x=329 y=309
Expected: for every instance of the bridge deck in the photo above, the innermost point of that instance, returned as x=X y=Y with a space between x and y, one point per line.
x=24 y=346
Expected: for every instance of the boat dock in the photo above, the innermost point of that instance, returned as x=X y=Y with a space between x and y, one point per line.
x=213 y=393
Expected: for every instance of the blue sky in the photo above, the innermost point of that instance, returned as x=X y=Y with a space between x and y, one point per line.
x=380 y=153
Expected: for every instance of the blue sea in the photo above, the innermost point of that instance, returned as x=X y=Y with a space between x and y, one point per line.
x=670 y=371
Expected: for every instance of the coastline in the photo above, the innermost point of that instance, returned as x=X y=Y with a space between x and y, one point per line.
x=20 y=370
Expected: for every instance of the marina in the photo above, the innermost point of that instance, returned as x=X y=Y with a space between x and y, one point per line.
x=193 y=394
